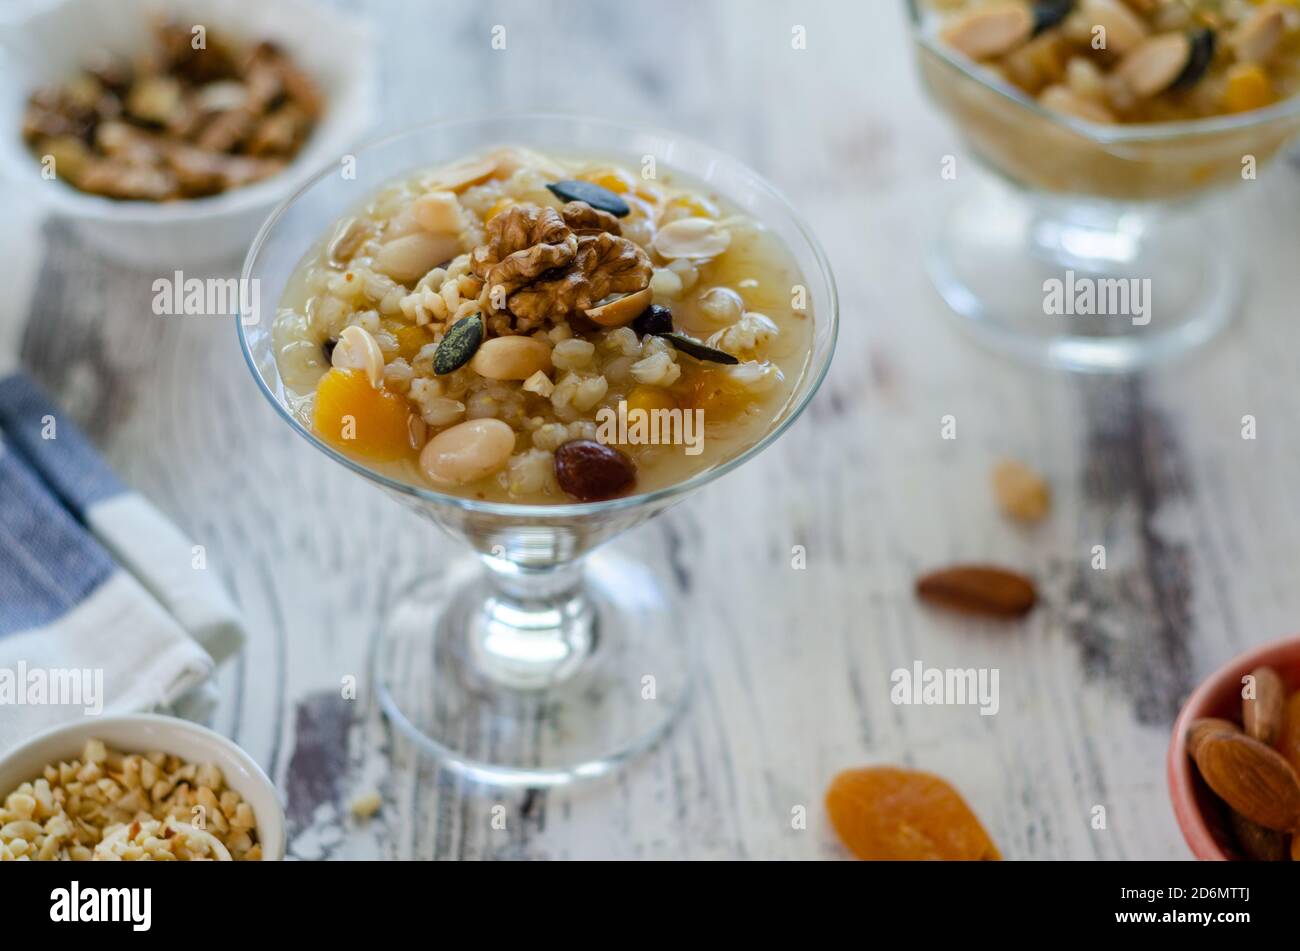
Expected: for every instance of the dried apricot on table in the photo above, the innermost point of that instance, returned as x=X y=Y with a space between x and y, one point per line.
x=361 y=419
x=884 y=813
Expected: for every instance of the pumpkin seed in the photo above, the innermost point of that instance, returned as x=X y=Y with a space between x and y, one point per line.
x=597 y=197
x=459 y=346
x=1198 y=59
x=700 y=351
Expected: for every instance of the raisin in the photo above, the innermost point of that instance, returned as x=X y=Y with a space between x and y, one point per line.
x=884 y=813
x=654 y=320
x=589 y=471
x=1200 y=55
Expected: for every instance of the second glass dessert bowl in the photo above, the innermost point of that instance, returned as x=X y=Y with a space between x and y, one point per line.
x=534 y=664
x=1081 y=204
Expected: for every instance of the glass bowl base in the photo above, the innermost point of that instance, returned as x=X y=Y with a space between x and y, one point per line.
x=514 y=697
x=1077 y=286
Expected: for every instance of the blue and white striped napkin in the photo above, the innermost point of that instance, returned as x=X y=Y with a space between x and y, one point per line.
x=98 y=590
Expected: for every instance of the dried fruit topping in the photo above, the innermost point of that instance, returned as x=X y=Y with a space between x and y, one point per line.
x=700 y=351
x=1200 y=55
x=1022 y=493
x=590 y=471
x=1262 y=705
x=979 y=589
x=1251 y=778
x=459 y=346
x=1048 y=13
x=366 y=421
x=883 y=813
x=594 y=195
x=654 y=320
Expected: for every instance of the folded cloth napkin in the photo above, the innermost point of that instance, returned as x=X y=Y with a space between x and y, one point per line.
x=140 y=537
x=79 y=636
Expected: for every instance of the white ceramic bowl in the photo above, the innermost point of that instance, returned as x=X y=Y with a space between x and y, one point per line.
x=144 y=733
x=47 y=42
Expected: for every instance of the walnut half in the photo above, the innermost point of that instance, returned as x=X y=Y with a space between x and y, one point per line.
x=540 y=265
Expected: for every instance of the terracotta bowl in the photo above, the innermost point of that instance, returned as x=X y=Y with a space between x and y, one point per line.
x=1199 y=812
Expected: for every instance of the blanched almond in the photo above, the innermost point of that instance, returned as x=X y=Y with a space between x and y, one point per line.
x=511 y=358
x=1257 y=39
x=467 y=452
x=1153 y=66
x=1021 y=492
x=692 y=238
x=409 y=258
x=990 y=30
x=619 y=313
x=1064 y=100
x=357 y=350
x=1123 y=28
x=462 y=175
x=439 y=212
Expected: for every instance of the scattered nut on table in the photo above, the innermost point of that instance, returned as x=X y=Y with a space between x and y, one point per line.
x=1022 y=493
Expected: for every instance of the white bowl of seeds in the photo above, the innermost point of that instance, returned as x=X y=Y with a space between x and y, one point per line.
x=137 y=788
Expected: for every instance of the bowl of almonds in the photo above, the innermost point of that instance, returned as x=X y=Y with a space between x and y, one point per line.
x=1234 y=759
x=136 y=788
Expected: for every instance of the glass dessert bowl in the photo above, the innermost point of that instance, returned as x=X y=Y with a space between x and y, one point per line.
x=477 y=317
x=1105 y=123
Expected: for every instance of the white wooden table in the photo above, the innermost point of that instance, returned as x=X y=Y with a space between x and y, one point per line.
x=1200 y=526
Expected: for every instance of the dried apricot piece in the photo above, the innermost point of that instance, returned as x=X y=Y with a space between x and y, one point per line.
x=885 y=813
x=360 y=419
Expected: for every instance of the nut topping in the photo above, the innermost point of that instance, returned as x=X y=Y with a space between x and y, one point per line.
x=692 y=238
x=544 y=271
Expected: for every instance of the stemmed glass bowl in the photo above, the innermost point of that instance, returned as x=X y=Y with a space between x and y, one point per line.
x=537 y=662
x=1071 y=199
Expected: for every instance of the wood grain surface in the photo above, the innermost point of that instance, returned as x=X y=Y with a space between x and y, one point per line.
x=1200 y=526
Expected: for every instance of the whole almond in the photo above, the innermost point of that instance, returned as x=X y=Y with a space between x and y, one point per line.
x=1289 y=742
x=979 y=589
x=1252 y=779
x=1259 y=844
x=1021 y=492
x=1261 y=715
x=1207 y=726
x=1295 y=848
